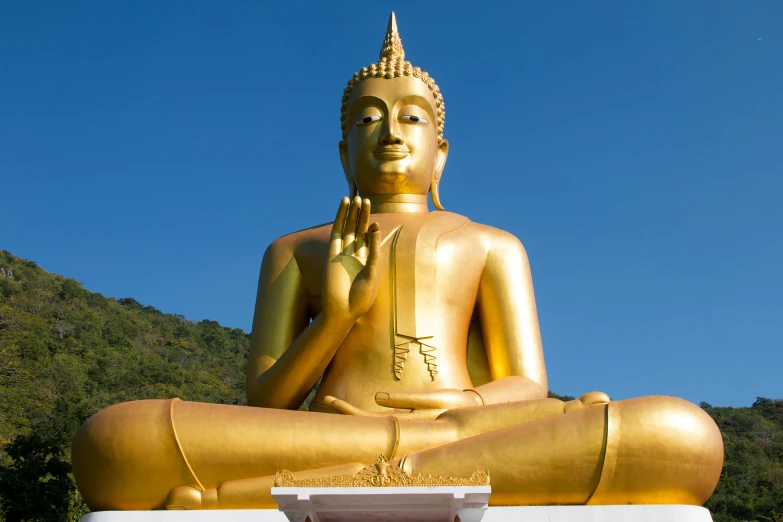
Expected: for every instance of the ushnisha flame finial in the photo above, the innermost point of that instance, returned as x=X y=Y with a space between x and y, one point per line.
x=392 y=44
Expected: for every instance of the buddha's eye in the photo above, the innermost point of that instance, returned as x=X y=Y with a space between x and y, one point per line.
x=413 y=119
x=367 y=119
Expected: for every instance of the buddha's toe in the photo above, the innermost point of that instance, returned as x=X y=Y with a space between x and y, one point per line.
x=594 y=398
x=186 y=497
x=585 y=401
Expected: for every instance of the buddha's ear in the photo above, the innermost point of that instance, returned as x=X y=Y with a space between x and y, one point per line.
x=440 y=164
x=352 y=190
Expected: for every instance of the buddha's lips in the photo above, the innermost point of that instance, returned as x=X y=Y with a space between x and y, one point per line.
x=390 y=153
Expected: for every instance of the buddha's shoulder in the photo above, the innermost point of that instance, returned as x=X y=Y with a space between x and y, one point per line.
x=494 y=238
x=301 y=240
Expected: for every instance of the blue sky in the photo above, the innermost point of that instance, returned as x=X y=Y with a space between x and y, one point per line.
x=153 y=150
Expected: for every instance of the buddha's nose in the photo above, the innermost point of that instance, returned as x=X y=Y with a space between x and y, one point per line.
x=390 y=135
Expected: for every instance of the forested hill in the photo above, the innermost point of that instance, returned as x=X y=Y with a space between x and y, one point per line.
x=66 y=352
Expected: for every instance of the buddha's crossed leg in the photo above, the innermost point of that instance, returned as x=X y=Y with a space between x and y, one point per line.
x=149 y=454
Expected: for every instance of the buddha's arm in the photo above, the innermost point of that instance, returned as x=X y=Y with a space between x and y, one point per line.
x=507 y=310
x=286 y=354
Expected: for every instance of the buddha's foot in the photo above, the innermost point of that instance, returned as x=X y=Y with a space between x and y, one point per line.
x=185 y=497
x=585 y=401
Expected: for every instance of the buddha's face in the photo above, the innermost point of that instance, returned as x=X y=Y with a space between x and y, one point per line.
x=392 y=139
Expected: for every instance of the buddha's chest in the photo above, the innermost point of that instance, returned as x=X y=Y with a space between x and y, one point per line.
x=426 y=265
x=429 y=278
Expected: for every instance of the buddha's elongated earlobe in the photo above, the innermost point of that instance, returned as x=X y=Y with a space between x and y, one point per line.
x=435 y=194
x=352 y=190
x=440 y=164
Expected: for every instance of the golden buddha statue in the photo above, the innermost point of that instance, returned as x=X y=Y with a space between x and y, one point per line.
x=424 y=328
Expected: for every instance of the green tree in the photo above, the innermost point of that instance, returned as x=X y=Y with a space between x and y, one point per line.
x=35 y=485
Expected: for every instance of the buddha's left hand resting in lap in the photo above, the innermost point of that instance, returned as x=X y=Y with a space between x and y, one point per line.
x=424 y=328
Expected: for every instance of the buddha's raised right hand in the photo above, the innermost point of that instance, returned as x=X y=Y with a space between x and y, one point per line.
x=351 y=278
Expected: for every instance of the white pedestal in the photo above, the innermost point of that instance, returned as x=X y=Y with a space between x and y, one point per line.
x=217 y=515
x=650 y=513
x=414 y=504
x=646 y=513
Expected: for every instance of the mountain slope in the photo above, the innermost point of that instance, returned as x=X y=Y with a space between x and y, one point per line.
x=65 y=349
x=66 y=353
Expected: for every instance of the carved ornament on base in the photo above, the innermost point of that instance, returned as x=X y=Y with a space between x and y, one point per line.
x=379 y=475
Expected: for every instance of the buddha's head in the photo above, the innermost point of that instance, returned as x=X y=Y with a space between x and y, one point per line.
x=392 y=123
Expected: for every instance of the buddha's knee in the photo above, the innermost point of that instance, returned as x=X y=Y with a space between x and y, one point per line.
x=659 y=450
x=127 y=457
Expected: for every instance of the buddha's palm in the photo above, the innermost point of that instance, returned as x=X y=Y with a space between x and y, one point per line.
x=351 y=277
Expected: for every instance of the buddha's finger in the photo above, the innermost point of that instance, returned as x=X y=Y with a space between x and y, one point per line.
x=336 y=239
x=340 y=406
x=349 y=234
x=374 y=237
x=360 y=247
x=412 y=401
x=416 y=400
x=420 y=414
